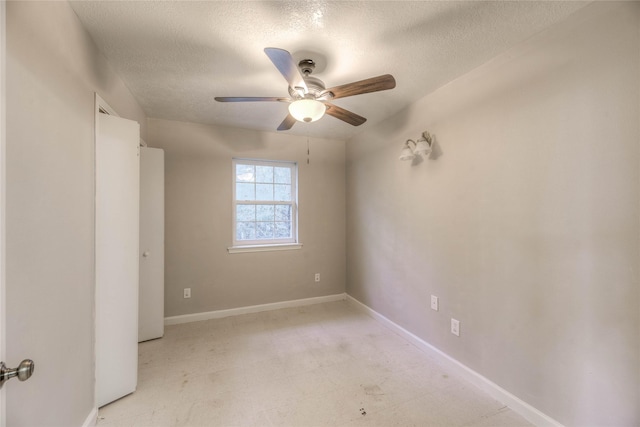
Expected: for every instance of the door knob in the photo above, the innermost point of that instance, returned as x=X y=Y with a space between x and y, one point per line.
x=145 y=254
x=23 y=371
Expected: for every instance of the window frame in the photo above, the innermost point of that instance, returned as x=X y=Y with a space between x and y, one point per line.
x=263 y=244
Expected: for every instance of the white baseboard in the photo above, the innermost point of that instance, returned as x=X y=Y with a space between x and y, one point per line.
x=527 y=411
x=92 y=418
x=186 y=318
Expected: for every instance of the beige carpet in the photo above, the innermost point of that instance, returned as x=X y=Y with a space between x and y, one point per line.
x=321 y=365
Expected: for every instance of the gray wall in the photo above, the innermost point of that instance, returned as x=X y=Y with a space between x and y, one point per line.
x=524 y=222
x=198 y=227
x=53 y=69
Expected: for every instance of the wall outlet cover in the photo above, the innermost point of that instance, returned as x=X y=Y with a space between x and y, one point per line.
x=455 y=327
x=434 y=302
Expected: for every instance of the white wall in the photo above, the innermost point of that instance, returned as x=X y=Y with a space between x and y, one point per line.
x=524 y=222
x=53 y=69
x=198 y=227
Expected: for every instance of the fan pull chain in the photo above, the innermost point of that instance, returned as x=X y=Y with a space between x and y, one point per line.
x=308 y=150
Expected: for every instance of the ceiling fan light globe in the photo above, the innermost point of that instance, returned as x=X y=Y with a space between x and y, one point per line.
x=307 y=110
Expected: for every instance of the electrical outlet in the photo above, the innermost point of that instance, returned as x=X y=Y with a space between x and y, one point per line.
x=187 y=292
x=317 y=277
x=455 y=327
x=434 y=302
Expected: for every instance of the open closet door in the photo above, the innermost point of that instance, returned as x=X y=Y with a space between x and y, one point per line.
x=151 y=316
x=117 y=244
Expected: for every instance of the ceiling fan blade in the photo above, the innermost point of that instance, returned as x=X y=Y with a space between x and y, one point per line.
x=249 y=99
x=344 y=115
x=287 y=66
x=287 y=123
x=374 y=84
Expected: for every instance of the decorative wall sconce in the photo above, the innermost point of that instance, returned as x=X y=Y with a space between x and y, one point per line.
x=421 y=148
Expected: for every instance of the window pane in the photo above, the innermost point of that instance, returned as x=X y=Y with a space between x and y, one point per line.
x=245 y=173
x=245 y=191
x=264 y=174
x=245 y=230
x=283 y=230
x=245 y=212
x=283 y=213
x=264 y=191
x=265 y=212
x=264 y=230
x=282 y=175
x=282 y=193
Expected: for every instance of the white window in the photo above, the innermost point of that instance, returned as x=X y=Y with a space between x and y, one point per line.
x=264 y=202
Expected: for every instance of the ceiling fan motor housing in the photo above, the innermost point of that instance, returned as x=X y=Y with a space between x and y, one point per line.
x=315 y=86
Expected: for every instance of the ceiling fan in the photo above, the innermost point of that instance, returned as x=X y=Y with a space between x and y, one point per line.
x=309 y=99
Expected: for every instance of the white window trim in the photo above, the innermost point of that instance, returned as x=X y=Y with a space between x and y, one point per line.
x=276 y=244
x=264 y=248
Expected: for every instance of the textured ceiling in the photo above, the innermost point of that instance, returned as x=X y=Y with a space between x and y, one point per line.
x=176 y=56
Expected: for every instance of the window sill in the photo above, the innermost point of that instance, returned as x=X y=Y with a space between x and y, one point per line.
x=264 y=248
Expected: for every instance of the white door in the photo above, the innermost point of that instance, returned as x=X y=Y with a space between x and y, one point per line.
x=151 y=316
x=117 y=267
x=3 y=417
x=28 y=367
